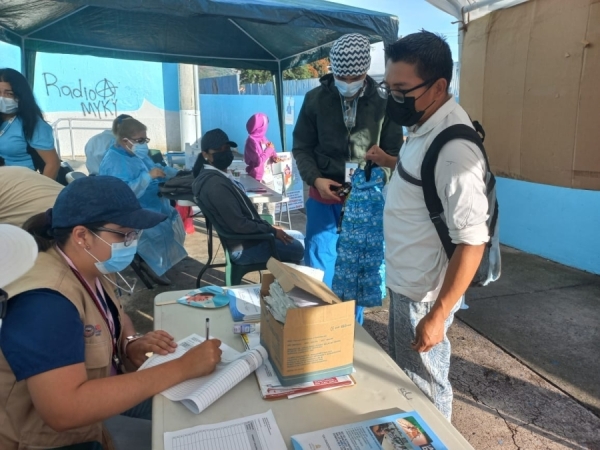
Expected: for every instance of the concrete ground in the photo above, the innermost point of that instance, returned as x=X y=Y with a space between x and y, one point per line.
x=525 y=366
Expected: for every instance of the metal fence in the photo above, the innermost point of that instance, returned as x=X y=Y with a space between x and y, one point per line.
x=229 y=85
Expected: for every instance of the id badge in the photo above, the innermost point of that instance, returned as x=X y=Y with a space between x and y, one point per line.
x=350 y=169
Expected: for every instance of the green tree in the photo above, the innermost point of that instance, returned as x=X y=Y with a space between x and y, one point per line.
x=297 y=73
x=250 y=76
x=321 y=66
x=313 y=70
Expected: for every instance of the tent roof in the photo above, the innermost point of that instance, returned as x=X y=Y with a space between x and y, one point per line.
x=468 y=10
x=257 y=34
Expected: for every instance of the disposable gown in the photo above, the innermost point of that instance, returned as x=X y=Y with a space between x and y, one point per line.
x=162 y=246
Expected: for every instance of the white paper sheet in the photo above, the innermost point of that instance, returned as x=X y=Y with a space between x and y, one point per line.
x=258 y=432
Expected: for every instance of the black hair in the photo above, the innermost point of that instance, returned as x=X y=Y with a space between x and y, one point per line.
x=39 y=226
x=28 y=111
x=2 y=162
x=429 y=52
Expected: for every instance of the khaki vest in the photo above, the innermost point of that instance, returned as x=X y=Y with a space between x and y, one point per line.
x=21 y=427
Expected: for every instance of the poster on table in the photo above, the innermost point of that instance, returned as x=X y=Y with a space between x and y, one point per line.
x=294 y=188
x=284 y=171
x=289 y=110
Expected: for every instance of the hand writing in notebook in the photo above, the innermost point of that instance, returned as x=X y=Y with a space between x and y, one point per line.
x=201 y=360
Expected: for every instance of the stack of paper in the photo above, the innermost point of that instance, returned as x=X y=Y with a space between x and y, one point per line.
x=244 y=303
x=279 y=302
x=271 y=388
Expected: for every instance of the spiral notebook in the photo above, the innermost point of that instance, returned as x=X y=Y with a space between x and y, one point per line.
x=198 y=394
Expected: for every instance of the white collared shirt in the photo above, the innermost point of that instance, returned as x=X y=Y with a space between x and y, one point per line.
x=415 y=259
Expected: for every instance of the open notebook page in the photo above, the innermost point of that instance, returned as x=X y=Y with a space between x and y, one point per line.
x=199 y=393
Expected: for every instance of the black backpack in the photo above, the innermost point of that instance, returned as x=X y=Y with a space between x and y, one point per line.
x=489 y=268
x=39 y=164
x=179 y=187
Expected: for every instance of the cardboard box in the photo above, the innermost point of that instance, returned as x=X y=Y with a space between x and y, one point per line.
x=315 y=342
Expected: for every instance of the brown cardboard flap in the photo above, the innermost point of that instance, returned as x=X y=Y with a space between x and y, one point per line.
x=290 y=278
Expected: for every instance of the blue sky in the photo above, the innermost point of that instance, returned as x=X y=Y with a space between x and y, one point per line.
x=413 y=15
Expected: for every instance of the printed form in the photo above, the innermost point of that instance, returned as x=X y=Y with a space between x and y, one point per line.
x=258 y=432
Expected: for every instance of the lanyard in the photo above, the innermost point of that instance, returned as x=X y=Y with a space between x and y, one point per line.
x=100 y=302
x=8 y=124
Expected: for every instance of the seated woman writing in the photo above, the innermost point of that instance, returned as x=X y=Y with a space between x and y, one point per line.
x=232 y=209
x=160 y=247
x=65 y=340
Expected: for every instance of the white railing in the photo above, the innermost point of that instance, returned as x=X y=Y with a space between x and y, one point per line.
x=56 y=128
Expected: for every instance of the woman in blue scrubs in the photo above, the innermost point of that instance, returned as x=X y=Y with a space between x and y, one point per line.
x=22 y=125
x=160 y=247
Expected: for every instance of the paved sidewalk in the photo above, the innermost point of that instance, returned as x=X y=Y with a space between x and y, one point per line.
x=540 y=317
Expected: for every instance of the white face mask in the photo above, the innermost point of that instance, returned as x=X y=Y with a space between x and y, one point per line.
x=348 y=89
x=8 y=105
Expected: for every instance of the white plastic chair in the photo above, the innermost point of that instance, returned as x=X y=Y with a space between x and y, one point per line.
x=72 y=176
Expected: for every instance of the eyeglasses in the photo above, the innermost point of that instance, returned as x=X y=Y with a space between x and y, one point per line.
x=130 y=236
x=3 y=305
x=398 y=95
x=140 y=140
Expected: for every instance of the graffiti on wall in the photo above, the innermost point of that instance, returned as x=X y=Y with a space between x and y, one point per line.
x=97 y=99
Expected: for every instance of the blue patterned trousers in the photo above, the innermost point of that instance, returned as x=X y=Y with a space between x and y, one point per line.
x=429 y=371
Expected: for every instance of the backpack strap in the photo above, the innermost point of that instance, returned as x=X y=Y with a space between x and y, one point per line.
x=405 y=175
x=432 y=200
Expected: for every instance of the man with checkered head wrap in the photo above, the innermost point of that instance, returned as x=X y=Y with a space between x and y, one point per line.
x=350 y=59
x=339 y=122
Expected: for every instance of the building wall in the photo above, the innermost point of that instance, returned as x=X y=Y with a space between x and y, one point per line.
x=231 y=112
x=99 y=89
x=557 y=223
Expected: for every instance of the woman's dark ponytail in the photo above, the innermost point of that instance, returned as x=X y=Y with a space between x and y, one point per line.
x=39 y=227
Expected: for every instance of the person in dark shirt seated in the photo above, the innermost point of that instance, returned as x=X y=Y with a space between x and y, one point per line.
x=229 y=205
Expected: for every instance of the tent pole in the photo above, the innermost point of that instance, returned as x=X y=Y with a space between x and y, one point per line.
x=27 y=63
x=280 y=102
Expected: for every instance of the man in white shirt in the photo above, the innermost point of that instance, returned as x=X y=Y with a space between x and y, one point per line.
x=425 y=287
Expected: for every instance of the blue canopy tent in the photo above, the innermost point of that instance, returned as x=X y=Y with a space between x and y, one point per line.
x=271 y=35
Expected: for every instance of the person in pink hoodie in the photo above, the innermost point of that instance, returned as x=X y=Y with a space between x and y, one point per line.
x=259 y=154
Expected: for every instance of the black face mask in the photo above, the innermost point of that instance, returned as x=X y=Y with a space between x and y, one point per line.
x=222 y=160
x=405 y=114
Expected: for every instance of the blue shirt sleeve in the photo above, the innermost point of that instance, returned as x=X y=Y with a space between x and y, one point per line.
x=41 y=331
x=42 y=138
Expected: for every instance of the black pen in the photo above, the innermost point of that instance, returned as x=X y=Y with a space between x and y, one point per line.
x=207 y=328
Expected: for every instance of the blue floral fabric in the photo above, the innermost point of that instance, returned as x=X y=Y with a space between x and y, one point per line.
x=360 y=265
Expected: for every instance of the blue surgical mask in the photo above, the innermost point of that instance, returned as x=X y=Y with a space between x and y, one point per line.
x=120 y=257
x=8 y=105
x=141 y=150
x=348 y=89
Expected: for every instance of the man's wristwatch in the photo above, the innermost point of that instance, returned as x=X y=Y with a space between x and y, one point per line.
x=130 y=339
